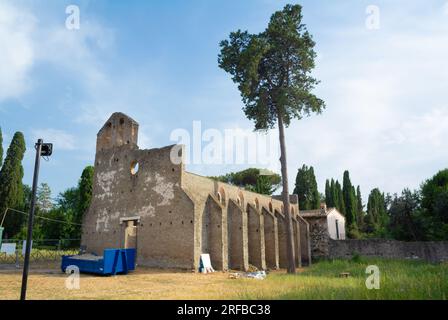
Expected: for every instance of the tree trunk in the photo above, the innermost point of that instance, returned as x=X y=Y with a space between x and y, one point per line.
x=285 y=193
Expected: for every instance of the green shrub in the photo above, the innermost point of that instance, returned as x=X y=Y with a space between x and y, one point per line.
x=356 y=257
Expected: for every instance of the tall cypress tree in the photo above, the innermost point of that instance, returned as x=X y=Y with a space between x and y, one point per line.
x=306 y=189
x=85 y=191
x=376 y=218
x=315 y=195
x=340 y=198
x=356 y=201
x=334 y=193
x=349 y=201
x=11 y=188
x=328 y=194
x=81 y=198
x=1 y=147
x=360 y=207
x=301 y=188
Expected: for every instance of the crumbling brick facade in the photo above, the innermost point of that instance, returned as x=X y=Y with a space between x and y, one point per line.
x=143 y=199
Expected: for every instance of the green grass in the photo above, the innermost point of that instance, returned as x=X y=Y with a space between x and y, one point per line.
x=399 y=280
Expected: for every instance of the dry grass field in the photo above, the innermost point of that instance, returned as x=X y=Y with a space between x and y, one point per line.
x=141 y=284
x=399 y=280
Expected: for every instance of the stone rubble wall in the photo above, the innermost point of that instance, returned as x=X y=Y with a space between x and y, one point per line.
x=431 y=251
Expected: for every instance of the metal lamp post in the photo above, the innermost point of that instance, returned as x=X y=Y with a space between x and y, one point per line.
x=42 y=149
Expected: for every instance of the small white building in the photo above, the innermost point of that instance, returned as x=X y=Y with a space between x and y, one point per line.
x=325 y=219
x=324 y=224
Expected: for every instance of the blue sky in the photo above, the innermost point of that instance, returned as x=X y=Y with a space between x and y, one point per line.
x=387 y=114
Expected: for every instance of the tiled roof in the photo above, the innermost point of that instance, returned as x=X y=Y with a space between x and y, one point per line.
x=312 y=213
x=316 y=213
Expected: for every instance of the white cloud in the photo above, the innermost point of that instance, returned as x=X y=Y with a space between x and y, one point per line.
x=426 y=131
x=77 y=50
x=17 y=54
x=27 y=42
x=61 y=140
x=144 y=140
x=445 y=9
x=386 y=121
x=130 y=94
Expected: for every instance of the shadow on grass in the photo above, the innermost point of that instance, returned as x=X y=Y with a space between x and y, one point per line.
x=399 y=279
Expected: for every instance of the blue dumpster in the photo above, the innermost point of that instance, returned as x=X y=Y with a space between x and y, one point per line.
x=113 y=261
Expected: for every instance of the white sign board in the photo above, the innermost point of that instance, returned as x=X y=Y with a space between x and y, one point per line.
x=206 y=263
x=8 y=248
x=24 y=247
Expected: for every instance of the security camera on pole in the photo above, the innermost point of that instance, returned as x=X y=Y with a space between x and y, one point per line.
x=45 y=150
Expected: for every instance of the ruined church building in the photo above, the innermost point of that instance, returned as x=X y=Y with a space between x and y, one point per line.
x=142 y=199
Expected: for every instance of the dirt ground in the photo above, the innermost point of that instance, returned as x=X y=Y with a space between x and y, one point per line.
x=400 y=279
x=144 y=283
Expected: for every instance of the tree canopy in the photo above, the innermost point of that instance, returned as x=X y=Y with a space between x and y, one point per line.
x=43 y=198
x=435 y=195
x=434 y=203
x=1 y=147
x=85 y=186
x=11 y=190
x=273 y=69
x=350 y=203
x=253 y=179
x=306 y=189
x=360 y=209
x=376 y=217
x=405 y=222
x=61 y=219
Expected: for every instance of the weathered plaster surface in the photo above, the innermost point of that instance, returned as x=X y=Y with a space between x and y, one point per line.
x=179 y=214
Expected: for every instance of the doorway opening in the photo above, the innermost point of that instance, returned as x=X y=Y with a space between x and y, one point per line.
x=130 y=226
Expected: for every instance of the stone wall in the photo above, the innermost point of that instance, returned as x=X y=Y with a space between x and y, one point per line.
x=237 y=237
x=256 y=230
x=215 y=238
x=430 y=251
x=305 y=241
x=177 y=215
x=271 y=239
x=282 y=240
x=255 y=236
x=145 y=188
x=319 y=236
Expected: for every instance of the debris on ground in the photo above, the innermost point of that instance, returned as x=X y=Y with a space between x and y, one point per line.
x=260 y=275
x=252 y=268
x=344 y=274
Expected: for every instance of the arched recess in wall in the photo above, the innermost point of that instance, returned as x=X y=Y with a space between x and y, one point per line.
x=271 y=209
x=222 y=196
x=240 y=199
